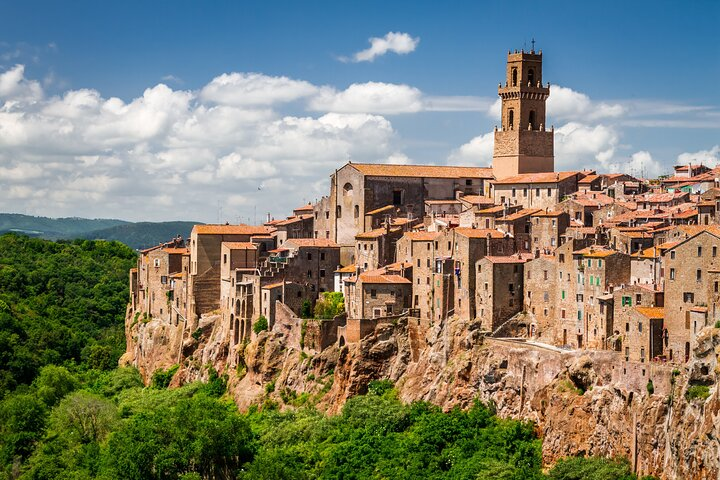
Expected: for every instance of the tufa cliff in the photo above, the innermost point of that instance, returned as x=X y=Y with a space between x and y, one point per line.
x=665 y=420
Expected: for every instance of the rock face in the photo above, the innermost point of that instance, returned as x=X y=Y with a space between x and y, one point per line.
x=584 y=402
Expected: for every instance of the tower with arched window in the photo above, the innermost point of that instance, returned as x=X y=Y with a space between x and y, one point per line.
x=523 y=143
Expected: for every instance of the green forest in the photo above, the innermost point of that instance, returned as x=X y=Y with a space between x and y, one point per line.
x=68 y=412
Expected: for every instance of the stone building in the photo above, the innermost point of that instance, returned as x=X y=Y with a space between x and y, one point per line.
x=535 y=190
x=358 y=188
x=523 y=144
x=205 y=260
x=692 y=294
x=378 y=293
x=547 y=228
x=499 y=293
x=376 y=248
x=540 y=286
x=420 y=250
x=643 y=335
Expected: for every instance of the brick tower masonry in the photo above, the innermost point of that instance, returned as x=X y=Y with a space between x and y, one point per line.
x=522 y=144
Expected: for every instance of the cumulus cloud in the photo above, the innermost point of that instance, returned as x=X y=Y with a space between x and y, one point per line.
x=567 y=104
x=370 y=97
x=579 y=146
x=477 y=152
x=710 y=158
x=396 y=42
x=253 y=89
x=175 y=153
x=640 y=164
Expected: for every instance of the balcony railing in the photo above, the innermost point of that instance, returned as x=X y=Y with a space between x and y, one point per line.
x=278 y=259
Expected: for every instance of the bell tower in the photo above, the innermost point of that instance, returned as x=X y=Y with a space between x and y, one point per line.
x=522 y=144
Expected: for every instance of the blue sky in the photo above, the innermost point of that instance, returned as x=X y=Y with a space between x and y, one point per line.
x=634 y=87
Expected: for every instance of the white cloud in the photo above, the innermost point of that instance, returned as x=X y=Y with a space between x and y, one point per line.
x=173 y=153
x=398 y=158
x=370 y=97
x=640 y=164
x=254 y=89
x=710 y=158
x=579 y=146
x=567 y=104
x=397 y=42
x=14 y=85
x=477 y=152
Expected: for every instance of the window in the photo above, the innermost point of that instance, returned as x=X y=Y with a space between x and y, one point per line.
x=562 y=313
x=638 y=299
x=549 y=190
x=514 y=77
x=672 y=274
x=224 y=258
x=546 y=297
x=511 y=287
x=688 y=297
x=531 y=78
x=373 y=293
x=338 y=211
x=513 y=193
x=640 y=327
x=626 y=301
x=716 y=287
x=562 y=258
x=562 y=295
x=531 y=119
x=322 y=255
x=157 y=262
x=309 y=256
x=698 y=275
x=357 y=211
x=537 y=192
x=309 y=274
x=348 y=189
x=164 y=280
x=322 y=273
x=699 y=251
x=714 y=251
x=599 y=263
x=511 y=119
x=672 y=255
x=397 y=197
x=468 y=182
x=524 y=192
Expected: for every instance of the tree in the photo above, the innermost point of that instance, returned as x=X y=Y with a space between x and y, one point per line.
x=53 y=383
x=329 y=305
x=84 y=416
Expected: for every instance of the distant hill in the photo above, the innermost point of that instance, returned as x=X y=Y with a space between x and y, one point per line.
x=53 y=228
x=142 y=234
x=135 y=235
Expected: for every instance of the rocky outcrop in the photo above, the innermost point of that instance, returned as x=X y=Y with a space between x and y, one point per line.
x=583 y=402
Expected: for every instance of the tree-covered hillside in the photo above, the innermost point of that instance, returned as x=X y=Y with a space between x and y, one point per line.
x=60 y=303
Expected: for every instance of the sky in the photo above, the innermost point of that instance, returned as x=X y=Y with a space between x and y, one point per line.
x=227 y=111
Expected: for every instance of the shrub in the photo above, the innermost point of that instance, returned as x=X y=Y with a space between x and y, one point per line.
x=697 y=391
x=329 y=305
x=162 y=378
x=306 y=309
x=270 y=387
x=379 y=387
x=260 y=324
x=717 y=324
x=650 y=387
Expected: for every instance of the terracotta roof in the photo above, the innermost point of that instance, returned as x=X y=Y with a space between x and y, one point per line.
x=383 y=279
x=699 y=309
x=479 y=233
x=522 y=258
x=593 y=252
x=380 y=210
x=377 y=233
x=231 y=229
x=442 y=202
x=274 y=285
x=545 y=177
x=304 y=208
x=706 y=203
x=548 y=213
x=176 y=275
x=525 y=212
x=421 y=236
x=295 y=219
x=497 y=209
x=477 y=200
x=589 y=179
x=348 y=269
x=686 y=214
x=240 y=245
x=176 y=251
x=428 y=171
x=651 y=312
x=312 y=242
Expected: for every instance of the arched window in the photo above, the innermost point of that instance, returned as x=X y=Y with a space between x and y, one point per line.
x=531 y=77
x=511 y=119
x=514 y=77
x=347 y=189
x=532 y=119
